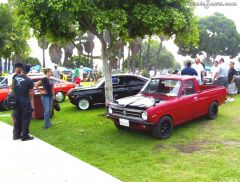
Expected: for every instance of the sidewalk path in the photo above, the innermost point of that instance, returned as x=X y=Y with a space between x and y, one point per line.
x=37 y=161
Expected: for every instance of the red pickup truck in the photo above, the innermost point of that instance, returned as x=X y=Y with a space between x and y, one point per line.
x=167 y=101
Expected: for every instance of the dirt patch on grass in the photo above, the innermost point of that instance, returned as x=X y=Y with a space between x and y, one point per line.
x=192 y=147
x=159 y=147
x=230 y=143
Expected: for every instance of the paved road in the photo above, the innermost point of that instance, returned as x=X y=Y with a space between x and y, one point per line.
x=37 y=161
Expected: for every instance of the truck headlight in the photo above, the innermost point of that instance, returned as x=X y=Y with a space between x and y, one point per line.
x=144 y=116
x=110 y=111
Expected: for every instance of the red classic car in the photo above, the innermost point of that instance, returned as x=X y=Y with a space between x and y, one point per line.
x=4 y=90
x=61 y=87
x=165 y=102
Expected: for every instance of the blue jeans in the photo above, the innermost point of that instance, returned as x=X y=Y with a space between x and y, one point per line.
x=47 y=105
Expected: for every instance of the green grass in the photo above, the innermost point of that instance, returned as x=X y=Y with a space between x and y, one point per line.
x=200 y=150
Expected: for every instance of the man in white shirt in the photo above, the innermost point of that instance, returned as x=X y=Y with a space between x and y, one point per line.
x=56 y=72
x=81 y=72
x=199 y=69
x=221 y=74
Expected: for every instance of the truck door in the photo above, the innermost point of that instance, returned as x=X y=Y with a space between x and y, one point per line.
x=188 y=102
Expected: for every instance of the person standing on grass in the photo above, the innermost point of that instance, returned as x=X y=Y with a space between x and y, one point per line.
x=188 y=70
x=221 y=74
x=199 y=69
x=18 y=70
x=75 y=73
x=23 y=88
x=56 y=72
x=214 y=69
x=47 y=96
x=231 y=84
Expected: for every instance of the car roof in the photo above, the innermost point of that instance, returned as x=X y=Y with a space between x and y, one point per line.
x=129 y=74
x=176 y=77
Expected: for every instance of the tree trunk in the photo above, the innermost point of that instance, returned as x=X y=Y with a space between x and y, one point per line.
x=9 y=65
x=129 y=58
x=147 y=61
x=43 y=58
x=158 y=55
x=1 y=66
x=140 y=57
x=5 y=65
x=107 y=76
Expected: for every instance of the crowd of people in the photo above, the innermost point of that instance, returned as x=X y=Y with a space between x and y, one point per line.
x=221 y=74
x=78 y=75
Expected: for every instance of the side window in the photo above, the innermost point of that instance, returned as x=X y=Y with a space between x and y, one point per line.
x=116 y=81
x=130 y=81
x=188 y=88
x=52 y=81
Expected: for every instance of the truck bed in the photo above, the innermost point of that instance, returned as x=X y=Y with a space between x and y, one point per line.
x=208 y=87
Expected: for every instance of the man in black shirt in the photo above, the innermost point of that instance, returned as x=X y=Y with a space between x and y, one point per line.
x=189 y=70
x=23 y=88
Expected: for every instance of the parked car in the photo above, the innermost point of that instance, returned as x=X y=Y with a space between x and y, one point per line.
x=4 y=90
x=123 y=85
x=61 y=87
x=166 y=102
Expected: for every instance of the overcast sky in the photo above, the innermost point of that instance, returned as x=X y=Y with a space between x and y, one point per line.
x=230 y=8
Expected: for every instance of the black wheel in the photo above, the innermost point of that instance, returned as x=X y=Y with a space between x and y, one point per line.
x=84 y=104
x=4 y=105
x=60 y=97
x=115 y=97
x=164 y=128
x=213 y=110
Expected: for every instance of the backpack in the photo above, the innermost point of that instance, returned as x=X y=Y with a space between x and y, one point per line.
x=11 y=101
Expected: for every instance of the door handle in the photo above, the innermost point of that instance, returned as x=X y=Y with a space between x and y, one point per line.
x=195 y=98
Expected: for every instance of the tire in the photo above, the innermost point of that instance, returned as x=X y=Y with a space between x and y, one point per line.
x=84 y=104
x=163 y=129
x=60 y=97
x=213 y=110
x=4 y=106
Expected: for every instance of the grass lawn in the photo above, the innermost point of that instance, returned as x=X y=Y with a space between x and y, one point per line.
x=201 y=150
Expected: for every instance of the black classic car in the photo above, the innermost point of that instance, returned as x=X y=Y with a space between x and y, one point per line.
x=123 y=85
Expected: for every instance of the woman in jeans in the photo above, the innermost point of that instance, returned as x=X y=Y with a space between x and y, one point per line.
x=47 y=96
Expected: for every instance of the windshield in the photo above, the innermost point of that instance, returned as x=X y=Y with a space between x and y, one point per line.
x=167 y=87
x=3 y=81
x=99 y=82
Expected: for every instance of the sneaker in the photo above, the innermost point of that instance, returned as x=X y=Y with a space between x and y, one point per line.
x=231 y=99
x=28 y=138
x=16 y=137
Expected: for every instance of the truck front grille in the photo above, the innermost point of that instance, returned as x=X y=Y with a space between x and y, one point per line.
x=127 y=113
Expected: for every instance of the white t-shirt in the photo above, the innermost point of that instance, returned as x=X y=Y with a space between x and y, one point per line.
x=213 y=71
x=222 y=70
x=81 y=73
x=199 y=68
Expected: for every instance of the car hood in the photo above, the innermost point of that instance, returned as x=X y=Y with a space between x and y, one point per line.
x=84 y=88
x=138 y=101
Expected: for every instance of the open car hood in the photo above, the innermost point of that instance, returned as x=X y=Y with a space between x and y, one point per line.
x=140 y=101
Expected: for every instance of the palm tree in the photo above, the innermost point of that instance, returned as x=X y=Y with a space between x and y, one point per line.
x=43 y=44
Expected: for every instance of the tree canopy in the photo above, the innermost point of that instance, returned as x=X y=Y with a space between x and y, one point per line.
x=13 y=34
x=112 y=21
x=218 y=36
x=167 y=59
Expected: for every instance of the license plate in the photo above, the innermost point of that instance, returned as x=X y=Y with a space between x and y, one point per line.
x=124 y=122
